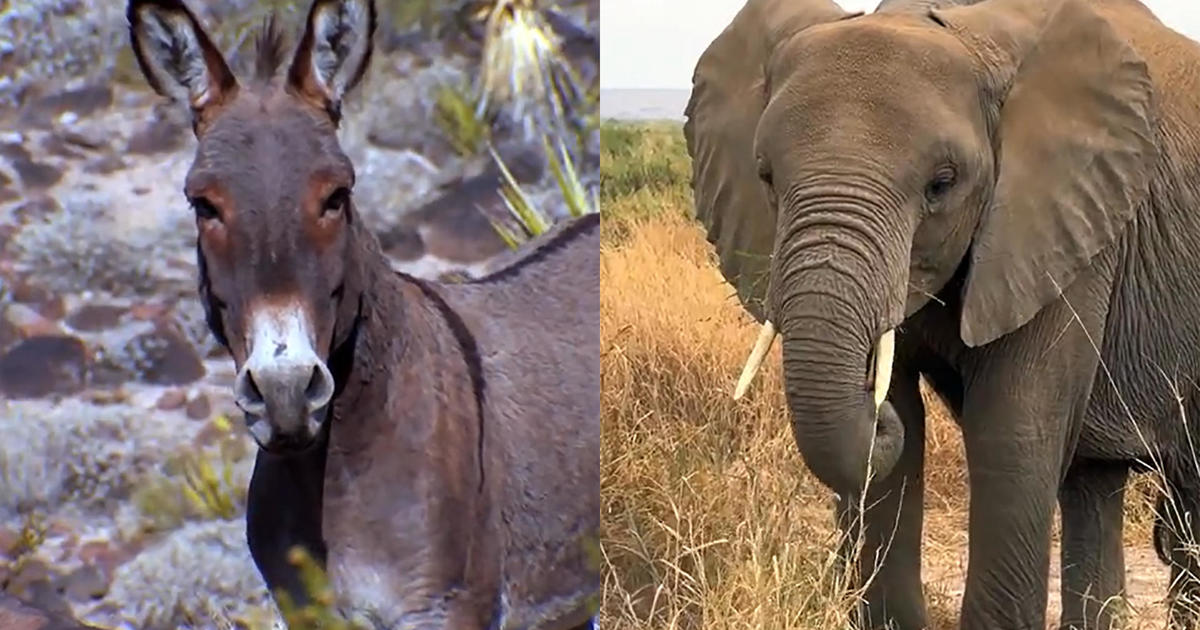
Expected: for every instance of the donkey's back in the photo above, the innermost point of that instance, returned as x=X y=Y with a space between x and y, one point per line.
x=536 y=325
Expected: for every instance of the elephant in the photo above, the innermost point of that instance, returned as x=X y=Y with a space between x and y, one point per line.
x=1002 y=197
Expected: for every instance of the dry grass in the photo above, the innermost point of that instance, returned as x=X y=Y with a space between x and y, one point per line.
x=710 y=518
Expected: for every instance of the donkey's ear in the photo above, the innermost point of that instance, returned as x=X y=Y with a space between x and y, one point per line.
x=334 y=51
x=176 y=56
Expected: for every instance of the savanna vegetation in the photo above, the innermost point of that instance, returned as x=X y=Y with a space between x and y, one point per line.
x=710 y=518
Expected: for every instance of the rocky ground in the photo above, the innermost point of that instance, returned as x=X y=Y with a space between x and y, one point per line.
x=121 y=478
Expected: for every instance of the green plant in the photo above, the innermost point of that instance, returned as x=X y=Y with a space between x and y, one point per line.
x=454 y=113
x=522 y=208
x=31 y=536
x=197 y=485
x=321 y=611
x=523 y=66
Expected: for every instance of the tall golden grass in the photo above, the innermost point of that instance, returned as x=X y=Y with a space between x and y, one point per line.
x=710 y=518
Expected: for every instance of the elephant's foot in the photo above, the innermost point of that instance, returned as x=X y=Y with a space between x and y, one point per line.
x=1093 y=575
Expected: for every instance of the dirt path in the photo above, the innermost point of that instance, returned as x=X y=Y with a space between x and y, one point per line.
x=1146 y=581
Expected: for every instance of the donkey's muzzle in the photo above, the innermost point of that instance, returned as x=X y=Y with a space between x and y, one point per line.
x=283 y=387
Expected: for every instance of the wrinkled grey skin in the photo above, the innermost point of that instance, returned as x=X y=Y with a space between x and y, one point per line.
x=1012 y=186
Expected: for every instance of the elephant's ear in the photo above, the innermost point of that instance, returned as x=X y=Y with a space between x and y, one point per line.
x=1075 y=150
x=729 y=93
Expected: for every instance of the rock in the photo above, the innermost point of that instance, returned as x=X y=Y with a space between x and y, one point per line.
x=55 y=145
x=82 y=101
x=38 y=208
x=172 y=399
x=148 y=311
x=105 y=397
x=29 y=322
x=26 y=292
x=105 y=165
x=14 y=150
x=25 y=574
x=37 y=175
x=199 y=408
x=8 y=541
x=8 y=336
x=44 y=366
x=161 y=135
x=164 y=357
x=86 y=139
x=16 y=614
x=107 y=556
x=85 y=583
x=96 y=317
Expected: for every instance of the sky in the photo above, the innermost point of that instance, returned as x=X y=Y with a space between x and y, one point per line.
x=655 y=43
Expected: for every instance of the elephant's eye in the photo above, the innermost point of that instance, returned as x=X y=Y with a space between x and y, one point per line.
x=764 y=172
x=941 y=183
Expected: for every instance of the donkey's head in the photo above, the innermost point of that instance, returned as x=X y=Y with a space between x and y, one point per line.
x=270 y=187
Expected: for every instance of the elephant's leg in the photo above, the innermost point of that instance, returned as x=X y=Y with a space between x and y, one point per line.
x=1013 y=481
x=1179 y=512
x=889 y=549
x=1020 y=408
x=1093 y=563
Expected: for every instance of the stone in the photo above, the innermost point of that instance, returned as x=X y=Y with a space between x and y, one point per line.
x=148 y=311
x=8 y=541
x=43 y=111
x=199 y=407
x=96 y=317
x=161 y=135
x=37 y=208
x=23 y=290
x=104 y=165
x=43 y=366
x=16 y=614
x=164 y=357
x=107 y=556
x=85 y=583
x=15 y=151
x=8 y=334
x=29 y=322
x=37 y=175
x=85 y=139
x=25 y=574
x=171 y=399
x=56 y=146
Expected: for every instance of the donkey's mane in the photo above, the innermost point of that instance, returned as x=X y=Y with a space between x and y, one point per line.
x=268 y=49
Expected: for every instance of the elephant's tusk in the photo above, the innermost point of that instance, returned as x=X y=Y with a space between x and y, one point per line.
x=763 y=345
x=885 y=353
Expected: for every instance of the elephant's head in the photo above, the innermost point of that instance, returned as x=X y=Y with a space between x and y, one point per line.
x=847 y=166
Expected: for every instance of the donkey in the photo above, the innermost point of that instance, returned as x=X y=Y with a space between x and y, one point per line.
x=435 y=447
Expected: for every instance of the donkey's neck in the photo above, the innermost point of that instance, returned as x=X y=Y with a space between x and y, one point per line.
x=404 y=511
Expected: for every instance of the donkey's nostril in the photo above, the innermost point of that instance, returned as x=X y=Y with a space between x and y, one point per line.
x=320 y=387
x=249 y=396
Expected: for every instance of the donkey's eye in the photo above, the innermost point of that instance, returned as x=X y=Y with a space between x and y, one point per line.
x=941 y=183
x=205 y=210
x=336 y=202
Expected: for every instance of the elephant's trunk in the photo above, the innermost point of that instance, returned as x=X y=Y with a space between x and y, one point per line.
x=843 y=425
x=837 y=289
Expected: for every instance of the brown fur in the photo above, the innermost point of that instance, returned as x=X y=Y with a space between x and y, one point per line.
x=455 y=480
